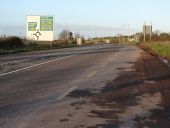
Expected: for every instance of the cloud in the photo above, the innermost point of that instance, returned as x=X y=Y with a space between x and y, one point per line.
x=13 y=30
x=94 y=31
x=85 y=30
x=84 y=27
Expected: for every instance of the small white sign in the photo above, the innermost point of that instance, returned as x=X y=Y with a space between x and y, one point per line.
x=79 y=41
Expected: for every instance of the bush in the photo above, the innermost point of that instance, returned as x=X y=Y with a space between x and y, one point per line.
x=11 y=43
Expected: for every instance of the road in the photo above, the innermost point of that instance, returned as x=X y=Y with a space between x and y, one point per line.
x=35 y=86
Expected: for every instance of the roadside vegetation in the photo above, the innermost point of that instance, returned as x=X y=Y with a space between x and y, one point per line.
x=160 y=44
x=160 y=48
x=16 y=45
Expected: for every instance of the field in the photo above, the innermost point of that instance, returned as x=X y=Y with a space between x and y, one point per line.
x=160 y=48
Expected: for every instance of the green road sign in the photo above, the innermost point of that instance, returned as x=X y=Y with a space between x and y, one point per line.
x=32 y=26
x=46 y=23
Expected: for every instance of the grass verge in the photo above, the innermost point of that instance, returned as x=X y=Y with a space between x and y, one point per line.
x=160 y=48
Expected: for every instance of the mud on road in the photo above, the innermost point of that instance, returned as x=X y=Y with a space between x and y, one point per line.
x=137 y=98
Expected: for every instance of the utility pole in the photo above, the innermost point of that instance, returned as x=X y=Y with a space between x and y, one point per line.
x=128 y=32
x=120 y=31
x=144 y=33
x=151 y=32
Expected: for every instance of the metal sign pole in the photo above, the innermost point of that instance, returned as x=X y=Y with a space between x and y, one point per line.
x=144 y=34
x=151 y=32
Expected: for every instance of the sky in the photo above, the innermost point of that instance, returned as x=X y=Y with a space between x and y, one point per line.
x=96 y=17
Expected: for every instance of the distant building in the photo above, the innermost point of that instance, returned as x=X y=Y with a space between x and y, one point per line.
x=79 y=41
x=107 y=41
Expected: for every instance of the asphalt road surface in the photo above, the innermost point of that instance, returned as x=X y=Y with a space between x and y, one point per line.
x=34 y=86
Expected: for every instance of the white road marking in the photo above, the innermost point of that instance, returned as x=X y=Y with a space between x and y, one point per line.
x=104 y=65
x=92 y=74
x=11 y=72
x=14 y=62
x=66 y=93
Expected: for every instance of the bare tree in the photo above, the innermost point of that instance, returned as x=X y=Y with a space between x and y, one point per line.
x=77 y=35
x=65 y=35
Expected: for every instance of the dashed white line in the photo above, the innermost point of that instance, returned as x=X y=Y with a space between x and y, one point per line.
x=11 y=72
x=66 y=93
x=92 y=74
x=14 y=62
x=104 y=65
